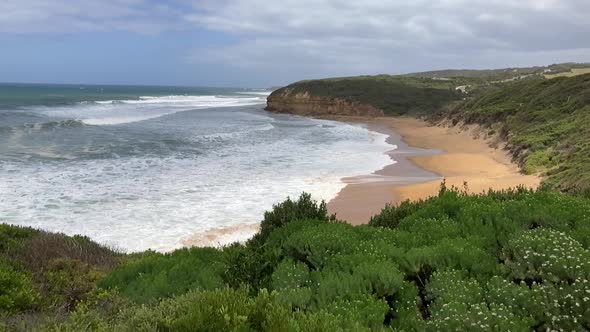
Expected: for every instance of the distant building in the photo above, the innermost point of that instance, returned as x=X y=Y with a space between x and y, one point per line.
x=462 y=88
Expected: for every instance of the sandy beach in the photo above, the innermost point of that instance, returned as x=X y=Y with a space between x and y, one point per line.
x=425 y=156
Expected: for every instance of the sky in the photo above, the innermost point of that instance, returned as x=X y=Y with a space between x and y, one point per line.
x=261 y=43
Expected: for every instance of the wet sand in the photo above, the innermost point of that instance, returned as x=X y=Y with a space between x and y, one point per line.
x=217 y=237
x=425 y=156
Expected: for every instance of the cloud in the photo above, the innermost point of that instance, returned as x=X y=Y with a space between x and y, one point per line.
x=50 y=16
x=377 y=36
x=311 y=38
x=418 y=22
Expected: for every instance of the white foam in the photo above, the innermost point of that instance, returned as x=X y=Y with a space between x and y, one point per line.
x=261 y=93
x=113 y=112
x=158 y=202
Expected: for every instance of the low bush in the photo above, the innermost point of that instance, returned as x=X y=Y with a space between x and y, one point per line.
x=154 y=276
x=512 y=260
x=17 y=292
x=48 y=272
x=301 y=209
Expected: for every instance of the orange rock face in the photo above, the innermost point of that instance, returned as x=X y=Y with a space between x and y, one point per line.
x=305 y=104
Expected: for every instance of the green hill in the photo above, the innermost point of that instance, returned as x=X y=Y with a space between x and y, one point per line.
x=394 y=95
x=503 y=73
x=546 y=124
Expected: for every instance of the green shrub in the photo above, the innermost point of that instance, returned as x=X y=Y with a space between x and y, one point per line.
x=511 y=260
x=546 y=255
x=458 y=303
x=155 y=275
x=316 y=243
x=289 y=274
x=17 y=292
x=549 y=306
x=391 y=215
x=365 y=310
x=288 y=211
x=12 y=236
x=68 y=282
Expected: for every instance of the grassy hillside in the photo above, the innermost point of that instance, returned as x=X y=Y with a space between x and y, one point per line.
x=514 y=260
x=546 y=124
x=504 y=73
x=544 y=121
x=394 y=95
x=47 y=274
x=571 y=73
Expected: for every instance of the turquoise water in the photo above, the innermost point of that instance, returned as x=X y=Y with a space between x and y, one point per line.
x=150 y=167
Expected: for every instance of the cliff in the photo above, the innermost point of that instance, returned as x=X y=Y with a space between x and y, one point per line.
x=303 y=103
x=544 y=122
x=365 y=95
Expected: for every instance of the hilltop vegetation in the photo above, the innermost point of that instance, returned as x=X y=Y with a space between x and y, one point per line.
x=504 y=73
x=513 y=260
x=425 y=93
x=545 y=122
x=44 y=272
x=394 y=95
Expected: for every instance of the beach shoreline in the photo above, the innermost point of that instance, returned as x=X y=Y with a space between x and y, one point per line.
x=423 y=156
x=466 y=158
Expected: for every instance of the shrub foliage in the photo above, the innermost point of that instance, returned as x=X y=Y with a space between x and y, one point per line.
x=511 y=260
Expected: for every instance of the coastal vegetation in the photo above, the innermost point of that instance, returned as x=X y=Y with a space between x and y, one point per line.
x=543 y=121
x=394 y=95
x=509 y=260
x=506 y=74
x=515 y=260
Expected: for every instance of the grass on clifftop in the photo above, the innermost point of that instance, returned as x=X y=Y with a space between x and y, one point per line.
x=514 y=260
x=394 y=95
x=505 y=73
x=546 y=123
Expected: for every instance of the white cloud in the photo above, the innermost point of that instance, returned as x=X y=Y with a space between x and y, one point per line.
x=51 y=16
x=335 y=37
x=349 y=37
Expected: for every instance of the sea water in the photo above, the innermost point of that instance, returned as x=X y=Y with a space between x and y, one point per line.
x=150 y=167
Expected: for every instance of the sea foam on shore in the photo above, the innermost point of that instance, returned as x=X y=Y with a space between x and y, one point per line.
x=170 y=167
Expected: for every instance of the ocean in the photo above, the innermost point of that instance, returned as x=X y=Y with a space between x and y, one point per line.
x=139 y=167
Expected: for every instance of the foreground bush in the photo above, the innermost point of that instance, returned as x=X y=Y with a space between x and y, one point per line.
x=155 y=275
x=46 y=272
x=514 y=260
x=289 y=210
x=17 y=292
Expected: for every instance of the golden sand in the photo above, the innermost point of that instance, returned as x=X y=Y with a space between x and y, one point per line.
x=462 y=157
x=465 y=158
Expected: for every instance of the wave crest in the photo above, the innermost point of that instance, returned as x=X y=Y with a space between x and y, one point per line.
x=44 y=126
x=113 y=112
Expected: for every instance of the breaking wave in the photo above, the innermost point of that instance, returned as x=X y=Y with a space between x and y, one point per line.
x=114 y=112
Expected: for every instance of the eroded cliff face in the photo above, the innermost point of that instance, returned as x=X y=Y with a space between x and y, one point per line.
x=285 y=101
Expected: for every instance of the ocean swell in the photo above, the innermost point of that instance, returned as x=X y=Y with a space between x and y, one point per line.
x=42 y=126
x=115 y=112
